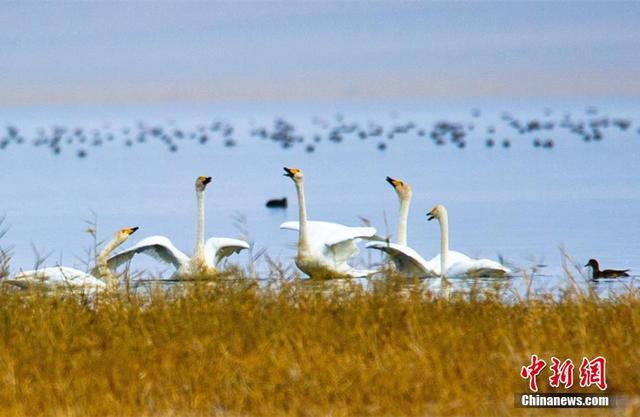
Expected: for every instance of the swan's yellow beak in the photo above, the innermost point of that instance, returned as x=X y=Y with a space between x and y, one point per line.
x=204 y=180
x=394 y=183
x=291 y=172
x=130 y=230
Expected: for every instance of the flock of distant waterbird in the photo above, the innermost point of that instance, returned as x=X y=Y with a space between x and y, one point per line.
x=324 y=249
x=540 y=132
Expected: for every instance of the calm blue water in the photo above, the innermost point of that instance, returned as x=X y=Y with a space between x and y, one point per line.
x=521 y=203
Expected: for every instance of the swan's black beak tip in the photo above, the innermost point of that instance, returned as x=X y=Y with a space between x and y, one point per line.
x=202 y=180
x=391 y=181
x=430 y=216
x=288 y=172
x=131 y=230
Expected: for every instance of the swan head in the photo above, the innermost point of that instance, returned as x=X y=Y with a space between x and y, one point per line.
x=294 y=173
x=201 y=183
x=438 y=212
x=123 y=234
x=593 y=264
x=402 y=188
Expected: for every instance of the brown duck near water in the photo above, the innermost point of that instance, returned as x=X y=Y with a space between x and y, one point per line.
x=607 y=273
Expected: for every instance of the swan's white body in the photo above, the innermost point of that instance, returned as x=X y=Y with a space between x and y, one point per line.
x=207 y=255
x=58 y=276
x=456 y=264
x=65 y=277
x=459 y=265
x=323 y=247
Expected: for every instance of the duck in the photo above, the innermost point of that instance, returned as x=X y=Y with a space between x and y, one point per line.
x=594 y=267
x=277 y=203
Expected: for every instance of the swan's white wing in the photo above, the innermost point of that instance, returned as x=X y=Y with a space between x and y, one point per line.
x=331 y=233
x=340 y=252
x=218 y=248
x=56 y=276
x=349 y=233
x=406 y=259
x=333 y=244
x=342 y=244
x=290 y=225
x=336 y=241
x=158 y=247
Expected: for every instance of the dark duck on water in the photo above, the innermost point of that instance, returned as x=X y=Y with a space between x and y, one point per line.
x=596 y=273
x=277 y=203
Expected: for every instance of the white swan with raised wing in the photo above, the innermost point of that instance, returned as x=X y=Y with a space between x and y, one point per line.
x=207 y=255
x=324 y=248
x=405 y=259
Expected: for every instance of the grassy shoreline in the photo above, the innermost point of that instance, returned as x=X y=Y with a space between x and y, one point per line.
x=233 y=348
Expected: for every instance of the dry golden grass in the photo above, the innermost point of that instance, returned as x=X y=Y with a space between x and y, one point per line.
x=234 y=349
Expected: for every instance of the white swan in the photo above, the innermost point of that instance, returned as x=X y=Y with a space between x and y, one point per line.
x=460 y=264
x=405 y=259
x=63 y=276
x=323 y=247
x=206 y=255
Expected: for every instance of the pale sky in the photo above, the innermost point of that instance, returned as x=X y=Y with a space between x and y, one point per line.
x=69 y=52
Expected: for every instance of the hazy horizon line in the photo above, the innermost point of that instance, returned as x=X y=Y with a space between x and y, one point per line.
x=303 y=88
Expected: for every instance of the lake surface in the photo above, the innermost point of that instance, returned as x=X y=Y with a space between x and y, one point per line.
x=523 y=203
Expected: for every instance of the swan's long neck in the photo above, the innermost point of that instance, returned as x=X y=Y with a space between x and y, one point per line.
x=303 y=238
x=101 y=260
x=444 y=242
x=198 y=252
x=403 y=219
